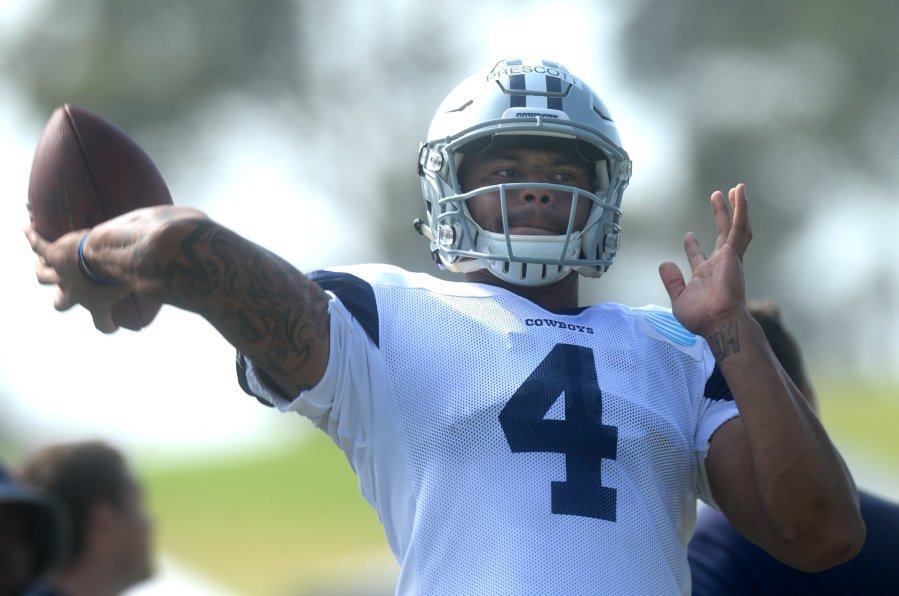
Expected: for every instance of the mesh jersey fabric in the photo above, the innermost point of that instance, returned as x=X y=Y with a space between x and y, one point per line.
x=510 y=450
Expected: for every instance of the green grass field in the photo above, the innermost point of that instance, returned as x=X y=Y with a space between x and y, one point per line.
x=293 y=521
x=864 y=417
x=285 y=522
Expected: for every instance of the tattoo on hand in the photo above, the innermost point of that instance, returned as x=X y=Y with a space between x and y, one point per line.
x=725 y=342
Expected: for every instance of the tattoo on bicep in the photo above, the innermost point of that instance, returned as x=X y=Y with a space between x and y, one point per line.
x=725 y=342
x=251 y=295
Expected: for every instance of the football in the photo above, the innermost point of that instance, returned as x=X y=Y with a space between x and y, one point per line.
x=85 y=171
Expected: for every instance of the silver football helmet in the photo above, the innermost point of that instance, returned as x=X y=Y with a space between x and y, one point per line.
x=516 y=97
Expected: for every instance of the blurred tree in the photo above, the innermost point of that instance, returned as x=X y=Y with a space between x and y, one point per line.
x=379 y=71
x=156 y=63
x=796 y=99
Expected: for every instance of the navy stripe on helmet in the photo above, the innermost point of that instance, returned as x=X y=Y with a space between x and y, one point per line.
x=553 y=86
x=517 y=83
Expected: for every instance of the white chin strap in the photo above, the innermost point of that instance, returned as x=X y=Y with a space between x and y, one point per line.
x=542 y=253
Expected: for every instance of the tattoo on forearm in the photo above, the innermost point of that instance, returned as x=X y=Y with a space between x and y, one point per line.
x=725 y=342
x=258 y=297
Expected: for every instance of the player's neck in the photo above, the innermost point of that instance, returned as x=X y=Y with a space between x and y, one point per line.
x=556 y=297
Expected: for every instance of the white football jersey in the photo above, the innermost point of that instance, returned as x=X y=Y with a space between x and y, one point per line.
x=511 y=450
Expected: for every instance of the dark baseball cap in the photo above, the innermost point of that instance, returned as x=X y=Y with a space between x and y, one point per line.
x=49 y=522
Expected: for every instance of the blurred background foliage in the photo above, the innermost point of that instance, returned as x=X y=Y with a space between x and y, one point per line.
x=797 y=99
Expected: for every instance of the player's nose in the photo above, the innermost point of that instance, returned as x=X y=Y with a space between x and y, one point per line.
x=536 y=195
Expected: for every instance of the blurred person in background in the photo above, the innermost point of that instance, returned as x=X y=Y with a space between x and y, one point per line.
x=33 y=536
x=111 y=531
x=722 y=561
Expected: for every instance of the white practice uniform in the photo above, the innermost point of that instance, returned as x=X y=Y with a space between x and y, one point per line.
x=511 y=450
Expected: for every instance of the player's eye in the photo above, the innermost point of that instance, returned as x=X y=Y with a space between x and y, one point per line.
x=564 y=177
x=506 y=173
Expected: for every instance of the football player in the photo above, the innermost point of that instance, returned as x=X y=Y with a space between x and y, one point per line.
x=512 y=440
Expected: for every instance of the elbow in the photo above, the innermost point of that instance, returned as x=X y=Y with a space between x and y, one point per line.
x=829 y=544
x=842 y=543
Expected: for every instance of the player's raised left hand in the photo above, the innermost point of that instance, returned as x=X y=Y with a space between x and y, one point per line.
x=716 y=291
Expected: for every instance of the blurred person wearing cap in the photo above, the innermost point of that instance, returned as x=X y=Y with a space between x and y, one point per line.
x=722 y=561
x=111 y=531
x=33 y=536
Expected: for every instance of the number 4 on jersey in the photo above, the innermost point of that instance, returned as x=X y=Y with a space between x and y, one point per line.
x=581 y=436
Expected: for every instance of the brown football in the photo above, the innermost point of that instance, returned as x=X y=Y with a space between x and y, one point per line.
x=86 y=171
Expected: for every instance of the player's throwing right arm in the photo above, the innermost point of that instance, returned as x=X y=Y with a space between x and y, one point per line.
x=260 y=303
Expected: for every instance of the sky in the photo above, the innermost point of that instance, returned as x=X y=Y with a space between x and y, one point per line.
x=170 y=389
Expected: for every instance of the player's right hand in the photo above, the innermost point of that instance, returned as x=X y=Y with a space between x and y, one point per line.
x=57 y=264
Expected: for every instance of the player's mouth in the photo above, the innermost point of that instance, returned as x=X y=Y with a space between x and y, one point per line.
x=533 y=231
x=533 y=224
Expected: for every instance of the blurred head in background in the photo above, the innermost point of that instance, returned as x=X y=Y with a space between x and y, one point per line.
x=785 y=347
x=111 y=531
